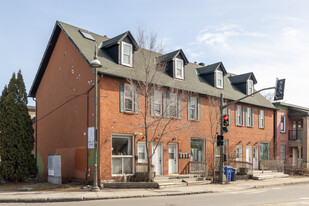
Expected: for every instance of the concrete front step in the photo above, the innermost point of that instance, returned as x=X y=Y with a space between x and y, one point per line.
x=259 y=175
x=179 y=180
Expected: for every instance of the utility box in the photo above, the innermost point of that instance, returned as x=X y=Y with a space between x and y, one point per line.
x=54 y=169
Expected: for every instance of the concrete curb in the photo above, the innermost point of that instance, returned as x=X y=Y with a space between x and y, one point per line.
x=84 y=198
x=280 y=184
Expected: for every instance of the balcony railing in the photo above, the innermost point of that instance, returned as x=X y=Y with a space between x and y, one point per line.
x=295 y=135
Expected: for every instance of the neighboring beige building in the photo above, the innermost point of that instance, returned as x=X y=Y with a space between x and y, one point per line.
x=31 y=110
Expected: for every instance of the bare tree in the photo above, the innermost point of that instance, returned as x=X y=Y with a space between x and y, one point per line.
x=213 y=129
x=269 y=96
x=213 y=115
x=146 y=79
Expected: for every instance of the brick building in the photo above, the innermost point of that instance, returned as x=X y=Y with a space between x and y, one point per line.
x=292 y=135
x=63 y=88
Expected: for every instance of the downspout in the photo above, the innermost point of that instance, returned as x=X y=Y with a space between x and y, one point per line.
x=87 y=123
x=275 y=133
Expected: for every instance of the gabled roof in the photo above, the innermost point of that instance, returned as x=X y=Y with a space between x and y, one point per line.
x=118 y=39
x=172 y=55
x=211 y=69
x=193 y=82
x=236 y=79
x=44 y=62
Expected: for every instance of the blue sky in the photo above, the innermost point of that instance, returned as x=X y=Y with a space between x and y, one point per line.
x=269 y=38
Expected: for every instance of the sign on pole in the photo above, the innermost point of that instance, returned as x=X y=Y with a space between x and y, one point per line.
x=279 y=89
x=90 y=137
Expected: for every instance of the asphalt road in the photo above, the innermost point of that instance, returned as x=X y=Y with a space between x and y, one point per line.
x=286 y=195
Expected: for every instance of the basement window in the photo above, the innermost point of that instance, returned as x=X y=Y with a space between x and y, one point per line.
x=87 y=35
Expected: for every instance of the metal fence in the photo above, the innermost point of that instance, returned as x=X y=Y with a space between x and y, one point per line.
x=194 y=167
x=198 y=168
x=274 y=165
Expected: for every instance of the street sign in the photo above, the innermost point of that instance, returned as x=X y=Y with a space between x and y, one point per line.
x=90 y=137
x=279 y=89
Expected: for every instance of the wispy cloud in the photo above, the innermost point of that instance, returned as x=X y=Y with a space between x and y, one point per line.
x=220 y=37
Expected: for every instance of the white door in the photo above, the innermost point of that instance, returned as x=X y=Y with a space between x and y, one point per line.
x=255 y=157
x=294 y=156
x=249 y=154
x=157 y=158
x=172 y=159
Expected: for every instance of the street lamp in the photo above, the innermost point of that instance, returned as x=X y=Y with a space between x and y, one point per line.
x=95 y=64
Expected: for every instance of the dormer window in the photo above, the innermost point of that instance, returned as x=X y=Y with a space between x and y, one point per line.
x=126 y=54
x=179 y=69
x=250 y=86
x=219 y=79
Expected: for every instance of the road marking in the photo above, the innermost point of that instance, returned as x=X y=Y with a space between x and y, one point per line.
x=304 y=198
x=255 y=192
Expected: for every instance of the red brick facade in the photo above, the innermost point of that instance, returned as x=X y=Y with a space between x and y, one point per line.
x=65 y=111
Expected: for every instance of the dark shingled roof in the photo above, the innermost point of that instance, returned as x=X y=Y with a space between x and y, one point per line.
x=192 y=83
x=211 y=68
x=236 y=79
x=118 y=39
x=170 y=56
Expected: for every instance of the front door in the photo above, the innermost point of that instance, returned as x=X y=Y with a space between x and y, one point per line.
x=255 y=157
x=249 y=154
x=157 y=158
x=172 y=159
x=294 y=156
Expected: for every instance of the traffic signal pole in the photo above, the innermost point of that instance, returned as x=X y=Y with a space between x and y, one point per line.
x=222 y=107
x=221 y=147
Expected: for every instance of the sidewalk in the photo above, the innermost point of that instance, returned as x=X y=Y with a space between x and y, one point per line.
x=6 y=197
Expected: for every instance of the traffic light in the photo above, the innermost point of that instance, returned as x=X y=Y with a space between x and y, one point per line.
x=225 y=123
x=219 y=140
x=279 y=89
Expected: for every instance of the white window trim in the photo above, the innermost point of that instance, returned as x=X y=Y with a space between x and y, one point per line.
x=249 y=117
x=249 y=83
x=193 y=107
x=182 y=69
x=160 y=103
x=240 y=120
x=123 y=156
x=261 y=117
x=176 y=104
x=122 y=53
x=133 y=98
x=217 y=78
x=143 y=144
x=284 y=124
